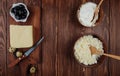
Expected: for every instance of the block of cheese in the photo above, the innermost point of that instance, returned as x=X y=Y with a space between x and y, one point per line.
x=21 y=36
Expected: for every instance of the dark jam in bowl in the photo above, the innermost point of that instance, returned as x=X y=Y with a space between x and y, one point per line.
x=19 y=12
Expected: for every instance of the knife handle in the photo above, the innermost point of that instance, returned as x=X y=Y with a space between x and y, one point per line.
x=16 y=61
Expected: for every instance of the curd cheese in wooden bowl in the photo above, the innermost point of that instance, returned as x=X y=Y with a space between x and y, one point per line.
x=82 y=50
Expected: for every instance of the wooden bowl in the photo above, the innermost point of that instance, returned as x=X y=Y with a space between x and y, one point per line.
x=101 y=59
x=100 y=17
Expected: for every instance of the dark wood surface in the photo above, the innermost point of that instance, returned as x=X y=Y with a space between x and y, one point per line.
x=57 y=21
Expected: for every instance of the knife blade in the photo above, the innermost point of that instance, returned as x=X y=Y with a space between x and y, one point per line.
x=26 y=54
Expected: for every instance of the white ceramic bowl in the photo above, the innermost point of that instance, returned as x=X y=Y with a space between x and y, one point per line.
x=13 y=16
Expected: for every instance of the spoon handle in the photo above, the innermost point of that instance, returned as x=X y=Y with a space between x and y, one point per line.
x=96 y=12
x=99 y=4
x=112 y=56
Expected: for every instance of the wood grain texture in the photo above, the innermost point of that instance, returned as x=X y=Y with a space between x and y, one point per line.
x=114 y=65
x=56 y=20
x=49 y=30
x=3 y=38
x=69 y=30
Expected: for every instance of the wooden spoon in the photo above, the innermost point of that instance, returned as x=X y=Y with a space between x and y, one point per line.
x=95 y=51
x=96 y=11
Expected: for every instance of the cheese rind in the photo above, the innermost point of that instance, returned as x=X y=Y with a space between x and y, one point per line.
x=21 y=36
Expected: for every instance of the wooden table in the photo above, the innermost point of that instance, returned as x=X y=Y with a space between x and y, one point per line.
x=59 y=25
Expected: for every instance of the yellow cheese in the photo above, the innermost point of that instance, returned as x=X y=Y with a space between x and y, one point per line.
x=21 y=36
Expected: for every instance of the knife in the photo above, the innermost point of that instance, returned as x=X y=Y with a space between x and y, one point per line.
x=26 y=54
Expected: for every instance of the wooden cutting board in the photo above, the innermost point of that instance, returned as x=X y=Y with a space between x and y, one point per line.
x=33 y=19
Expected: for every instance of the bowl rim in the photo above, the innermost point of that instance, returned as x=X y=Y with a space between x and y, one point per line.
x=101 y=58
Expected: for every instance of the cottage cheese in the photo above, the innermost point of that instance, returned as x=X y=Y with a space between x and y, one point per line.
x=82 y=50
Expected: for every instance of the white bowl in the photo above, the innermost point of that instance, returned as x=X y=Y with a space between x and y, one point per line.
x=13 y=16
